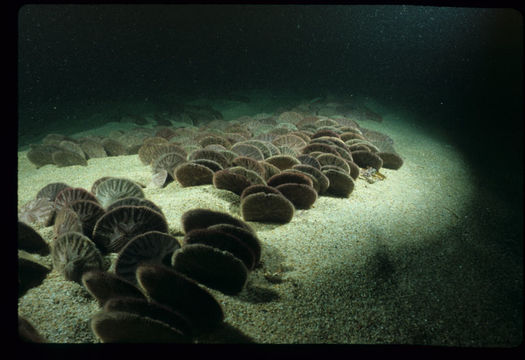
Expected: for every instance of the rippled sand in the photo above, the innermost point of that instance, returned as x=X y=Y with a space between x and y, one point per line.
x=402 y=261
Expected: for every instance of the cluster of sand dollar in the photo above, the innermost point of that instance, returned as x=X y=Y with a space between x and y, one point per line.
x=135 y=288
x=276 y=164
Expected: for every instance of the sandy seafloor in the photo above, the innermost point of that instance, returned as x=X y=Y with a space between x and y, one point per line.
x=401 y=261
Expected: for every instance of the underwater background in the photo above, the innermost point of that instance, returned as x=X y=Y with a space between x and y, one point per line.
x=444 y=82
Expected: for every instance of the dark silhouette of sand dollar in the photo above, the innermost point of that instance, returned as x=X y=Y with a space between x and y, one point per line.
x=73 y=254
x=271 y=208
x=191 y=174
x=203 y=218
x=124 y=327
x=250 y=164
x=302 y=196
x=117 y=227
x=27 y=332
x=321 y=178
x=223 y=241
x=149 y=247
x=252 y=176
x=227 y=180
x=63 y=158
x=341 y=184
x=30 y=240
x=103 y=285
x=286 y=177
x=365 y=159
x=282 y=162
x=215 y=268
x=246 y=237
x=31 y=272
x=114 y=189
x=354 y=170
x=257 y=188
x=390 y=160
x=181 y=294
x=150 y=309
